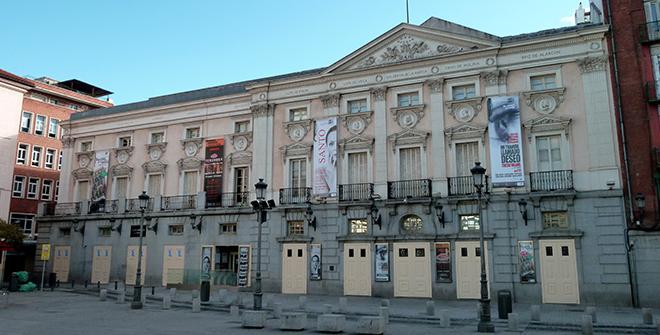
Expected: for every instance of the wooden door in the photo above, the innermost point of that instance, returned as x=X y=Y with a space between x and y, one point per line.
x=412 y=270
x=468 y=269
x=559 y=279
x=357 y=269
x=294 y=269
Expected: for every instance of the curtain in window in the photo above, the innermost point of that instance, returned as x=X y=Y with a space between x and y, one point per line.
x=358 y=168
x=121 y=187
x=298 y=173
x=466 y=155
x=410 y=163
x=154 y=185
x=190 y=182
x=549 y=153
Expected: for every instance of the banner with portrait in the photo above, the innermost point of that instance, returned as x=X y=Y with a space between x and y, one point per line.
x=213 y=171
x=526 y=262
x=442 y=262
x=506 y=156
x=243 y=275
x=382 y=261
x=325 y=158
x=100 y=181
x=207 y=253
x=315 y=262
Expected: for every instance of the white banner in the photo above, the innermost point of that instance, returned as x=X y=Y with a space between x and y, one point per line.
x=325 y=157
x=100 y=182
x=506 y=158
x=315 y=262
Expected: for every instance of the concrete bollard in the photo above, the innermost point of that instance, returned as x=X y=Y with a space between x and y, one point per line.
x=172 y=292
x=302 y=301
x=591 y=311
x=196 y=305
x=430 y=308
x=277 y=310
x=445 y=320
x=587 y=325
x=253 y=319
x=370 y=325
x=121 y=297
x=385 y=302
x=234 y=311
x=327 y=309
x=167 y=302
x=268 y=300
x=384 y=314
x=343 y=304
x=513 y=322
x=536 y=313
x=647 y=316
x=293 y=321
x=330 y=323
x=103 y=295
x=195 y=294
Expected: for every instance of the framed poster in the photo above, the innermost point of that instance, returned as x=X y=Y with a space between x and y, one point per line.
x=207 y=263
x=443 y=262
x=315 y=262
x=526 y=262
x=244 y=257
x=382 y=262
x=213 y=171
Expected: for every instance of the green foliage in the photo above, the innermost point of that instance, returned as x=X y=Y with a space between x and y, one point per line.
x=10 y=233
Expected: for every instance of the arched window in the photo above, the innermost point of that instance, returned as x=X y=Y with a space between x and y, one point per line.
x=411 y=224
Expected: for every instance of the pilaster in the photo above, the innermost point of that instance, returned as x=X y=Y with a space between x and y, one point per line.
x=437 y=154
x=262 y=130
x=379 y=95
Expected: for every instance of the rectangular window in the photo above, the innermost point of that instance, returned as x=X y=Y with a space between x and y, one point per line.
x=298 y=173
x=555 y=220
x=466 y=155
x=50 y=157
x=295 y=228
x=36 y=156
x=407 y=99
x=357 y=106
x=175 y=229
x=297 y=114
x=39 y=124
x=358 y=168
x=190 y=182
x=83 y=190
x=46 y=189
x=53 y=126
x=157 y=137
x=57 y=191
x=26 y=122
x=154 y=184
x=463 y=92
x=23 y=221
x=19 y=186
x=242 y=126
x=121 y=188
x=85 y=146
x=124 y=142
x=548 y=149
x=410 y=163
x=192 y=132
x=21 y=154
x=469 y=222
x=135 y=230
x=59 y=161
x=227 y=228
x=241 y=181
x=33 y=188
x=358 y=226
x=105 y=231
x=65 y=232
x=543 y=82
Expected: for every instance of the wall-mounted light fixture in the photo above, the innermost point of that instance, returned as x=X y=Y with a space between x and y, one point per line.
x=309 y=216
x=440 y=214
x=522 y=206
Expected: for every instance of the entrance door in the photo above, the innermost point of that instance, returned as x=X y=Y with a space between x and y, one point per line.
x=226 y=265
x=468 y=270
x=294 y=269
x=61 y=262
x=357 y=269
x=559 y=278
x=173 y=264
x=412 y=270
x=131 y=264
x=101 y=264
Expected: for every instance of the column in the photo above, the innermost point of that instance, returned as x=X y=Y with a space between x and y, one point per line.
x=262 y=144
x=379 y=95
x=68 y=163
x=437 y=153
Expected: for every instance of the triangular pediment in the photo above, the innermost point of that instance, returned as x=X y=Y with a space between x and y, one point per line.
x=465 y=131
x=407 y=42
x=548 y=123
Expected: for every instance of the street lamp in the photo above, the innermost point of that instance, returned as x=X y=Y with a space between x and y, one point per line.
x=260 y=206
x=137 y=290
x=485 y=325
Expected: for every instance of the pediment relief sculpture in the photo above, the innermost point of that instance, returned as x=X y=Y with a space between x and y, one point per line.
x=297 y=130
x=548 y=123
x=464 y=110
x=121 y=170
x=465 y=131
x=155 y=151
x=85 y=159
x=240 y=158
x=545 y=101
x=408 y=117
x=409 y=136
x=356 y=123
x=191 y=146
x=356 y=143
x=82 y=173
x=122 y=155
x=189 y=163
x=241 y=141
x=154 y=166
x=296 y=149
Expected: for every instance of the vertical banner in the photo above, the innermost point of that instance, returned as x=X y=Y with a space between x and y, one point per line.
x=442 y=262
x=315 y=262
x=325 y=157
x=213 y=171
x=526 y=259
x=206 y=263
x=382 y=262
x=243 y=266
x=506 y=158
x=100 y=182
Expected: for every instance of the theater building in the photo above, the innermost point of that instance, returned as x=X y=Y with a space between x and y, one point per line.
x=368 y=161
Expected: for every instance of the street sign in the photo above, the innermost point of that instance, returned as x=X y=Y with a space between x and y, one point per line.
x=45 y=252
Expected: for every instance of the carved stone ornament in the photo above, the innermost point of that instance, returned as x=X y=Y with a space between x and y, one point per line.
x=297 y=130
x=260 y=110
x=191 y=146
x=296 y=149
x=123 y=154
x=464 y=110
x=436 y=85
x=379 y=93
x=408 y=117
x=548 y=123
x=494 y=78
x=241 y=141
x=408 y=136
x=240 y=158
x=330 y=101
x=465 y=131
x=121 y=170
x=154 y=166
x=592 y=64
x=189 y=163
x=357 y=143
x=356 y=123
x=155 y=151
x=546 y=101
x=85 y=158
x=82 y=173
x=68 y=142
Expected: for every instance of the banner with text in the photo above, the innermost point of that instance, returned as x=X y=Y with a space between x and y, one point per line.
x=243 y=266
x=506 y=158
x=100 y=182
x=213 y=171
x=325 y=157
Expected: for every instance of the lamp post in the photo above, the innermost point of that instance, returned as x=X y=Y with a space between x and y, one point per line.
x=485 y=325
x=260 y=190
x=137 y=290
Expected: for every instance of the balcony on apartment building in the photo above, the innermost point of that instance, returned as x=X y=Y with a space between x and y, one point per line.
x=464 y=185
x=650 y=32
x=178 y=202
x=231 y=200
x=355 y=192
x=295 y=195
x=548 y=181
x=102 y=206
x=409 y=189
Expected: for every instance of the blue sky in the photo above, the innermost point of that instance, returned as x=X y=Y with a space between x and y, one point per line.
x=141 y=49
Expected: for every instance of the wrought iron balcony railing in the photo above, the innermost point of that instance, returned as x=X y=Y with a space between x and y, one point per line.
x=356 y=192
x=102 y=206
x=231 y=199
x=295 y=195
x=178 y=202
x=133 y=205
x=409 y=189
x=551 y=180
x=464 y=185
x=649 y=32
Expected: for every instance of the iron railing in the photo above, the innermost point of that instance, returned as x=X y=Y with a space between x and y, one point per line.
x=295 y=195
x=178 y=202
x=464 y=185
x=409 y=189
x=231 y=199
x=68 y=208
x=133 y=205
x=102 y=206
x=551 y=180
x=649 y=31
x=356 y=192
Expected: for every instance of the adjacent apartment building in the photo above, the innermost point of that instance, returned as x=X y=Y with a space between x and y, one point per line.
x=368 y=162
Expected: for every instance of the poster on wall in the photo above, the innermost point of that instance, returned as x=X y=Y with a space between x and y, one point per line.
x=206 y=263
x=315 y=262
x=213 y=171
x=506 y=158
x=243 y=266
x=100 y=182
x=382 y=261
x=526 y=261
x=325 y=158
x=442 y=262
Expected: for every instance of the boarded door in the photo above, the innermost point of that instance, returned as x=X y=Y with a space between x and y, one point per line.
x=131 y=264
x=412 y=270
x=173 y=264
x=61 y=262
x=468 y=270
x=357 y=269
x=559 y=278
x=101 y=264
x=294 y=269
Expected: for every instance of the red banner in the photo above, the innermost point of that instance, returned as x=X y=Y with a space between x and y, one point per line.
x=213 y=171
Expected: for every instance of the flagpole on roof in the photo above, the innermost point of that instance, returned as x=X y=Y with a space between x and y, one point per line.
x=407 y=13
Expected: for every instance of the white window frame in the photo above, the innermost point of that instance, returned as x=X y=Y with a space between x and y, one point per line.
x=41 y=153
x=59 y=161
x=155 y=132
x=249 y=125
x=482 y=153
x=565 y=148
x=57 y=127
x=30 y=122
x=56 y=191
x=308 y=169
x=353 y=97
x=25 y=154
x=47 y=196
x=423 y=160
x=292 y=107
x=542 y=72
x=411 y=88
x=232 y=176
x=45 y=125
x=344 y=165
x=76 y=192
x=147 y=181
x=32 y=226
x=462 y=82
x=119 y=140
x=181 y=181
x=23 y=186
x=185 y=130
x=37 y=189
x=114 y=187
x=52 y=163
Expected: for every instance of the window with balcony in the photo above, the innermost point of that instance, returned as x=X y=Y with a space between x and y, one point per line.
x=555 y=220
x=24 y=221
x=85 y=146
x=39 y=124
x=543 y=82
x=120 y=188
x=124 y=142
x=295 y=228
x=53 y=126
x=298 y=114
x=461 y=92
x=190 y=182
x=192 y=132
x=46 y=189
x=82 y=191
x=33 y=188
x=358 y=226
x=50 y=159
x=157 y=137
x=154 y=182
x=358 y=168
x=298 y=173
x=36 y=156
x=466 y=154
x=19 y=187
x=407 y=99
x=469 y=222
x=242 y=126
x=548 y=153
x=26 y=122
x=21 y=154
x=410 y=163
x=357 y=106
x=241 y=179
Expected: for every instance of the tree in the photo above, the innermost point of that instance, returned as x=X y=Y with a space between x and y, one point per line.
x=10 y=234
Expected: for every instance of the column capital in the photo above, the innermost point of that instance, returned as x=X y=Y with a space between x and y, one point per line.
x=259 y=110
x=592 y=64
x=436 y=84
x=330 y=100
x=379 y=93
x=494 y=78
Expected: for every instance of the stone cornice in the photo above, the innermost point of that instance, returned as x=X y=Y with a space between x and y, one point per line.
x=465 y=131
